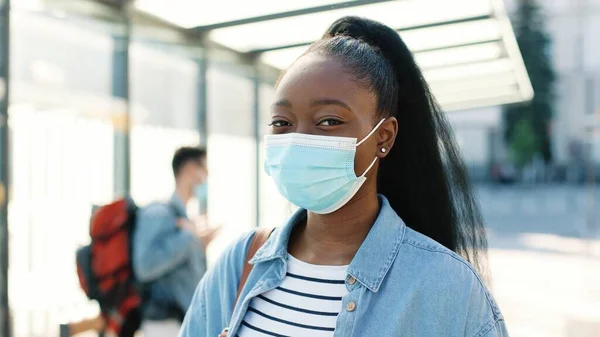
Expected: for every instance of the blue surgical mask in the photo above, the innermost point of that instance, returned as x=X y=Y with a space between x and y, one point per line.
x=201 y=193
x=315 y=172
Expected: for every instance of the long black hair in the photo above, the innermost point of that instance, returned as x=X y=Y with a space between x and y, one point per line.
x=423 y=176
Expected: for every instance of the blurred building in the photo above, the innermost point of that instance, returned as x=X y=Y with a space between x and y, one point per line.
x=478 y=133
x=573 y=27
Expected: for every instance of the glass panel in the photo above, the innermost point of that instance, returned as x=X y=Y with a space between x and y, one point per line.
x=62 y=144
x=283 y=58
x=307 y=28
x=459 y=55
x=191 y=13
x=485 y=100
x=164 y=88
x=451 y=35
x=465 y=96
x=152 y=149
x=231 y=153
x=474 y=83
x=468 y=70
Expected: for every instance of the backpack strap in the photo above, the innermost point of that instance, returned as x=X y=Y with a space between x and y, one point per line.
x=259 y=239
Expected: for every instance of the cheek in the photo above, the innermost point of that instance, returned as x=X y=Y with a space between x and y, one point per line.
x=365 y=154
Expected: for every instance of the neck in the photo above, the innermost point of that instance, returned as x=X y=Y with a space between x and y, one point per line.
x=184 y=193
x=334 y=239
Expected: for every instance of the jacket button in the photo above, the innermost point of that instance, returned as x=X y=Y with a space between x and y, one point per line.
x=351 y=280
x=350 y=306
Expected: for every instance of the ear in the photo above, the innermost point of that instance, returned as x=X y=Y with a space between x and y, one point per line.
x=387 y=136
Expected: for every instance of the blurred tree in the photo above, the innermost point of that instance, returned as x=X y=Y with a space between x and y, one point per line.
x=535 y=48
x=524 y=143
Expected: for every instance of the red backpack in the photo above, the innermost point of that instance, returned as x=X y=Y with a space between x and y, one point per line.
x=105 y=269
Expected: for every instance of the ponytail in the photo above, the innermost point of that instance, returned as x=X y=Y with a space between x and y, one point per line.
x=423 y=176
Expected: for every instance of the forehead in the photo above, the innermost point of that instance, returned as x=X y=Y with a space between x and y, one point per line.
x=314 y=75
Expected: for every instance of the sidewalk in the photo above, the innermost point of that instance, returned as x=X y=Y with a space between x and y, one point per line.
x=548 y=288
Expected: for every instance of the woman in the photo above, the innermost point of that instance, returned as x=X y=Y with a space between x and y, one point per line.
x=387 y=220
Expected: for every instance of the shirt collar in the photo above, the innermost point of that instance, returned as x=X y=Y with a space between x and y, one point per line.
x=374 y=257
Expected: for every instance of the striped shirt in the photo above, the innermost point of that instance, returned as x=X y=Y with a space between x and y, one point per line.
x=307 y=303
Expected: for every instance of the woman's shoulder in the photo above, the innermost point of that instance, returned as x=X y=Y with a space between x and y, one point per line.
x=430 y=252
x=443 y=270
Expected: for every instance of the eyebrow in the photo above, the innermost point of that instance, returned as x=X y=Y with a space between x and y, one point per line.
x=283 y=103
x=330 y=101
x=319 y=102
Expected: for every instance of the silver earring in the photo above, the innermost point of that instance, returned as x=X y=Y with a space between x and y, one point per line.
x=383 y=150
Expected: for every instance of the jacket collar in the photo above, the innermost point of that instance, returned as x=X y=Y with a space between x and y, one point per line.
x=374 y=257
x=178 y=206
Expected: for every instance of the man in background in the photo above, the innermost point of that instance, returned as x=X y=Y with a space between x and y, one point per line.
x=169 y=249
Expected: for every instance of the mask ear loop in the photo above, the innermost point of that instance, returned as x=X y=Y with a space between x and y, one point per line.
x=367 y=137
x=370 y=166
x=371 y=133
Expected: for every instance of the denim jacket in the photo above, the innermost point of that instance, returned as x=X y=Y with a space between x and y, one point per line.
x=400 y=283
x=169 y=261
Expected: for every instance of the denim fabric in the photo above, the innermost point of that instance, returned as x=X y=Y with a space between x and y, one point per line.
x=405 y=285
x=170 y=261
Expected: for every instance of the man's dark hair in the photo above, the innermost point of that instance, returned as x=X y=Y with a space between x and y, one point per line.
x=186 y=154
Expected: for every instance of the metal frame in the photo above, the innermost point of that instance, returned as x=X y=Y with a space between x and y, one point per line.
x=120 y=88
x=256 y=110
x=458 y=45
x=201 y=99
x=282 y=15
x=5 y=317
x=512 y=49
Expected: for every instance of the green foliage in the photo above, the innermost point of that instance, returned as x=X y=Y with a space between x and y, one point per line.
x=523 y=145
x=534 y=44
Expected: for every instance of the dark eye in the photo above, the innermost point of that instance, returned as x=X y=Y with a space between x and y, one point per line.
x=330 y=122
x=280 y=123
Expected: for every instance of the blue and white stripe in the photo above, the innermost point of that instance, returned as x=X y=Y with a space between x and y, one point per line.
x=307 y=303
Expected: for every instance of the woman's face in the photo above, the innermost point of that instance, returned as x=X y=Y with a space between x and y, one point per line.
x=318 y=96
